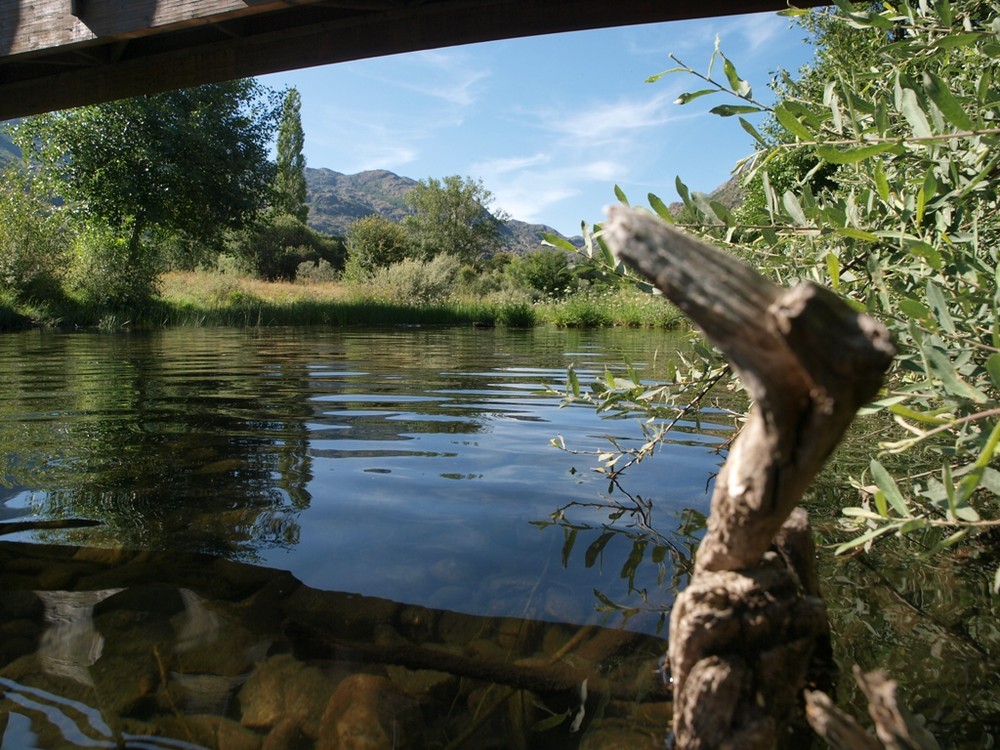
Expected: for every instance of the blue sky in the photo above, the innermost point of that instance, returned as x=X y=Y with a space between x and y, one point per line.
x=551 y=123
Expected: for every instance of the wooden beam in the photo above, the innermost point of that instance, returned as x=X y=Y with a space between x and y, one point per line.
x=179 y=43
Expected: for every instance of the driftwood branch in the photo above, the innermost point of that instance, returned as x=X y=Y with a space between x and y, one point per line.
x=896 y=727
x=745 y=631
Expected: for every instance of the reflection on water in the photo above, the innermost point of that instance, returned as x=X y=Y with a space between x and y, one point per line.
x=157 y=650
x=489 y=576
x=411 y=464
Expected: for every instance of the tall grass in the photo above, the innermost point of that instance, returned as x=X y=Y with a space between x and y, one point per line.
x=224 y=299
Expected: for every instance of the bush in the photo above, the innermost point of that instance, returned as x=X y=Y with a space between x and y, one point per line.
x=415 y=281
x=103 y=272
x=545 y=272
x=320 y=272
x=32 y=241
x=374 y=242
x=277 y=245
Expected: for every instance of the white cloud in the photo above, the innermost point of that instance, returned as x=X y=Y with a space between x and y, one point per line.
x=447 y=76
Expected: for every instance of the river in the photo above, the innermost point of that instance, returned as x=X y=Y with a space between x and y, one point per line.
x=325 y=512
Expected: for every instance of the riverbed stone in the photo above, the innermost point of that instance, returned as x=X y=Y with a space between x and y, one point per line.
x=281 y=689
x=367 y=712
x=210 y=731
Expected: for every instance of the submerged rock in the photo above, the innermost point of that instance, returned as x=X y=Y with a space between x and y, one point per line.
x=368 y=712
x=285 y=690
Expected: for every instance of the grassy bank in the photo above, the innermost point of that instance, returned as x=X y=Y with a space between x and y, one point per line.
x=214 y=299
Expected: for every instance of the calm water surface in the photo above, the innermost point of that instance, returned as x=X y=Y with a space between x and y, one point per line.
x=404 y=478
x=297 y=529
x=410 y=464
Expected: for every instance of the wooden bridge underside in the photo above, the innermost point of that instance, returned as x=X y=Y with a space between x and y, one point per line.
x=56 y=54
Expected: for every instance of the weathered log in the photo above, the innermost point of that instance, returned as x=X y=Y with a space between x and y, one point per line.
x=896 y=727
x=743 y=634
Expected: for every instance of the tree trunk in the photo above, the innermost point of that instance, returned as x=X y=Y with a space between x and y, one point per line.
x=744 y=633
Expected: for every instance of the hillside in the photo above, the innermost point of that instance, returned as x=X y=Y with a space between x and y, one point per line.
x=336 y=200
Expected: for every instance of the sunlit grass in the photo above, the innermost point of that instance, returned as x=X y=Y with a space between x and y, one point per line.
x=209 y=298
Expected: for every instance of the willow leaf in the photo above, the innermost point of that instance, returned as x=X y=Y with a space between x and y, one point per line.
x=852 y=155
x=950 y=107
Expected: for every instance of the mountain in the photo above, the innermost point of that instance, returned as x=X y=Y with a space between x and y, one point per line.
x=336 y=200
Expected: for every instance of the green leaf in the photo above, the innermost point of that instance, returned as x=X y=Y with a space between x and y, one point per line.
x=660 y=208
x=950 y=107
x=970 y=482
x=914 y=114
x=885 y=482
x=724 y=214
x=620 y=195
x=728 y=110
x=937 y=302
x=917 y=416
x=865 y=538
x=852 y=155
x=690 y=96
x=925 y=251
x=736 y=83
x=567 y=547
x=949 y=377
x=794 y=208
x=658 y=76
x=790 y=123
x=562 y=243
x=753 y=132
x=573 y=382
x=856 y=234
x=550 y=722
x=881 y=183
x=833 y=269
x=993 y=368
x=682 y=191
x=951 y=41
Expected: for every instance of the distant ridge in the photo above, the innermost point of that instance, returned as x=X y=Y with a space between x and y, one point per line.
x=337 y=200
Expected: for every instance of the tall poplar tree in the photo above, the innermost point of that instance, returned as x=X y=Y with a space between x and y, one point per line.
x=290 y=186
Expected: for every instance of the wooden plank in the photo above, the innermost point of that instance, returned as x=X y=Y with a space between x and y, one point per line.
x=260 y=39
x=43 y=25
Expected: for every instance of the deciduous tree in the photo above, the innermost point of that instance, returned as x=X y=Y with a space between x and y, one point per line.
x=453 y=216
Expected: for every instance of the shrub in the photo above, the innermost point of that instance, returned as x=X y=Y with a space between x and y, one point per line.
x=32 y=240
x=374 y=242
x=279 y=244
x=545 y=272
x=320 y=272
x=415 y=281
x=104 y=273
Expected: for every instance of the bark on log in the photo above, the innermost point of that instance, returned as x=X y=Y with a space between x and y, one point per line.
x=896 y=727
x=744 y=632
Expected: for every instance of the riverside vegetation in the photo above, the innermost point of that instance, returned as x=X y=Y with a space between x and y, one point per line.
x=107 y=223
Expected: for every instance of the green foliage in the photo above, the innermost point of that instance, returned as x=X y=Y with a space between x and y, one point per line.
x=415 y=281
x=290 y=181
x=374 y=242
x=546 y=272
x=104 y=274
x=453 y=217
x=877 y=174
x=278 y=244
x=191 y=162
x=32 y=239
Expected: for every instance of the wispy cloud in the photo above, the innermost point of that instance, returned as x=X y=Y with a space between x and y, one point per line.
x=448 y=76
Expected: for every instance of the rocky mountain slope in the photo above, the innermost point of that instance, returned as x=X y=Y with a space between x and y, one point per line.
x=336 y=200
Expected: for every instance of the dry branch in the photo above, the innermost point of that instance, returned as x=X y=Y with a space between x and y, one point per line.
x=744 y=632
